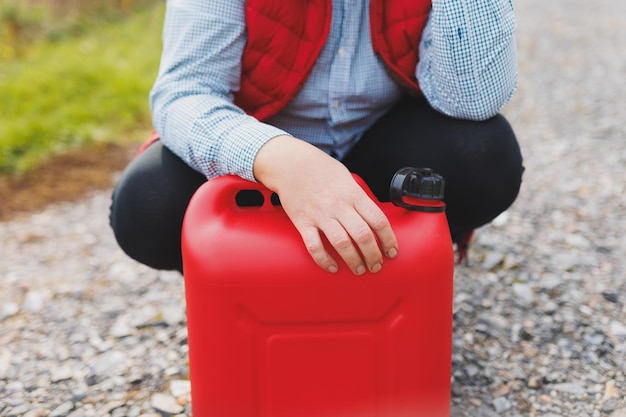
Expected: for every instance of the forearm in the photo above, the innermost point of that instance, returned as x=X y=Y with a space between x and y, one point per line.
x=211 y=135
x=468 y=64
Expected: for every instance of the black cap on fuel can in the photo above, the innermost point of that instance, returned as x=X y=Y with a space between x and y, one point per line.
x=423 y=187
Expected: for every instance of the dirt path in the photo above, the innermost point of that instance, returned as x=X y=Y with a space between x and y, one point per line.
x=65 y=177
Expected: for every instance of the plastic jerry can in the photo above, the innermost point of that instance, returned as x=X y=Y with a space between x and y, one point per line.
x=271 y=334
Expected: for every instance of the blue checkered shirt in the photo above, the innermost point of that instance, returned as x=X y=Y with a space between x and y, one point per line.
x=467 y=69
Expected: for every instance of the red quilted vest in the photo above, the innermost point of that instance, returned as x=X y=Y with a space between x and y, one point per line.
x=285 y=37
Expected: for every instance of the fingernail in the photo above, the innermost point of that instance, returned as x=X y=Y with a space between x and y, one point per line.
x=376 y=268
x=392 y=253
x=360 y=270
x=332 y=269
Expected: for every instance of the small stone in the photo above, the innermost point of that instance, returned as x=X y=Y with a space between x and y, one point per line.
x=528 y=349
x=63 y=410
x=565 y=261
x=173 y=315
x=533 y=383
x=595 y=339
x=545 y=398
x=91 y=379
x=569 y=388
x=145 y=317
x=183 y=399
x=134 y=376
x=111 y=363
x=512 y=262
x=15 y=386
x=617 y=329
x=121 y=328
x=100 y=344
x=610 y=390
x=122 y=272
x=80 y=391
x=501 y=404
x=523 y=292
x=472 y=370
x=108 y=407
x=170 y=276
x=63 y=373
x=5 y=362
x=609 y=406
x=551 y=281
x=550 y=307
x=494 y=321
x=492 y=260
x=503 y=390
x=33 y=302
x=610 y=296
x=179 y=387
x=37 y=412
x=8 y=310
x=502 y=219
x=576 y=240
x=590 y=358
x=166 y=404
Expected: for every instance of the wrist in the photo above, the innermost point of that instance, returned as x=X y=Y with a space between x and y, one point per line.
x=281 y=155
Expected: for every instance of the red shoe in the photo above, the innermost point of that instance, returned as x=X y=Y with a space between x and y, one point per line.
x=462 y=247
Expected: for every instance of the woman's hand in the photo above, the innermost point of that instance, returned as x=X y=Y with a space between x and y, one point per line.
x=319 y=195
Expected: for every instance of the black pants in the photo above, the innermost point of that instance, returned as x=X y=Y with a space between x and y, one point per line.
x=480 y=161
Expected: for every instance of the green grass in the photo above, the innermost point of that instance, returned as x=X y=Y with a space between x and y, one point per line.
x=70 y=91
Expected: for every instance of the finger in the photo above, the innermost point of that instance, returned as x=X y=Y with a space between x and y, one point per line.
x=339 y=238
x=313 y=243
x=363 y=236
x=379 y=224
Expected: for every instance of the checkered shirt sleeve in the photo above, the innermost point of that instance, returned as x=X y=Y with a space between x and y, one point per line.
x=468 y=62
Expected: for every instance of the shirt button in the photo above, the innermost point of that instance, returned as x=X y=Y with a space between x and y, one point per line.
x=336 y=104
x=341 y=52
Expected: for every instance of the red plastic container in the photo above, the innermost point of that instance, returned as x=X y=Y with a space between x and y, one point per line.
x=273 y=335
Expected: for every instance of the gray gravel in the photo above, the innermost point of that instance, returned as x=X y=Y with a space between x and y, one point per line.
x=540 y=311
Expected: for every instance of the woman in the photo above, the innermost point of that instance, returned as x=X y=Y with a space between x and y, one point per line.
x=299 y=94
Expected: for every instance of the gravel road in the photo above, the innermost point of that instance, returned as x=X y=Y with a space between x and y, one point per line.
x=540 y=311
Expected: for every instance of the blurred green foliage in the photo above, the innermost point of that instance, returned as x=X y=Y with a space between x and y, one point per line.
x=24 y=21
x=75 y=75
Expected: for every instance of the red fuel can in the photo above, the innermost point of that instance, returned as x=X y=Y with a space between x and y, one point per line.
x=273 y=335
